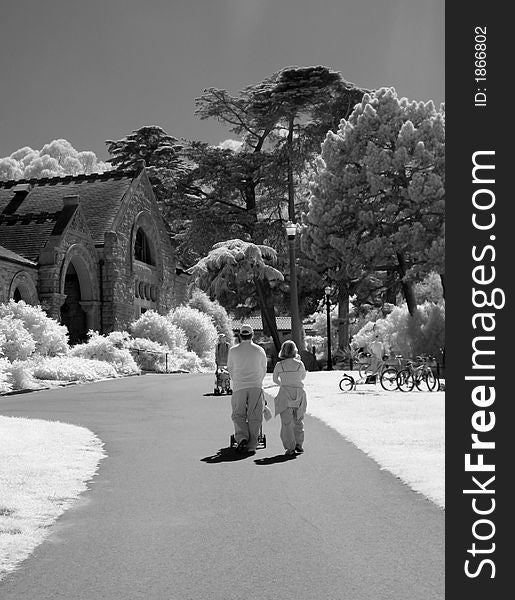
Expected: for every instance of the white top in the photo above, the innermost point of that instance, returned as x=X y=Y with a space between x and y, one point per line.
x=246 y=365
x=290 y=372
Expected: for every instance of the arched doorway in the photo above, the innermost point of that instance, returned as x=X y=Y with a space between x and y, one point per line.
x=72 y=314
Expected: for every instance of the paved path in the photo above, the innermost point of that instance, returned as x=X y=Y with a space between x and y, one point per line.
x=170 y=517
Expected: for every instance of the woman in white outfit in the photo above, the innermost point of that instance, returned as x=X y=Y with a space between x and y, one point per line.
x=290 y=402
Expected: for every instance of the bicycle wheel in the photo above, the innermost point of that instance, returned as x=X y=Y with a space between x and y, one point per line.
x=426 y=381
x=347 y=383
x=405 y=380
x=388 y=379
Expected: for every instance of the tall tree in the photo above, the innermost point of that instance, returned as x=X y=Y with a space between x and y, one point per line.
x=379 y=194
x=152 y=147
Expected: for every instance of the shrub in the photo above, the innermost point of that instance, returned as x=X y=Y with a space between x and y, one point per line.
x=20 y=376
x=69 y=368
x=50 y=337
x=5 y=383
x=101 y=347
x=200 y=300
x=158 y=328
x=424 y=333
x=187 y=361
x=200 y=331
x=149 y=355
x=16 y=342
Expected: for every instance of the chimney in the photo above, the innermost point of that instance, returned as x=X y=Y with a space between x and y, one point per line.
x=72 y=200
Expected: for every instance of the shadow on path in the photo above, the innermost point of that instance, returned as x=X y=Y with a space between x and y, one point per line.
x=226 y=455
x=272 y=460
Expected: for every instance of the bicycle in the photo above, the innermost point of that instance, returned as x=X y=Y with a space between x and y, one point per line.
x=418 y=374
x=386 y=374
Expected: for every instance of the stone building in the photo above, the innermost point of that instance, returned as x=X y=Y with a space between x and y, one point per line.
x=93 y=250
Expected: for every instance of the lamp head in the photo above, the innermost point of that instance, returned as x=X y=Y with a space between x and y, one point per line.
x=327 y=290
x=291 y=229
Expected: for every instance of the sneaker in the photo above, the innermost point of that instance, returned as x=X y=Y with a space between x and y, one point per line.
x=242 y=445
x=290 y=452
x=299 y=449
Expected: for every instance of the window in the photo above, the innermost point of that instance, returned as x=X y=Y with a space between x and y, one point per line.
x=142 y=251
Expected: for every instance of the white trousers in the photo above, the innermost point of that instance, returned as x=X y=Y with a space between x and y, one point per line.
x=292 y=429
x=247 y=415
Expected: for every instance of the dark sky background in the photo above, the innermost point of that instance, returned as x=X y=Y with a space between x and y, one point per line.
x=93 y=70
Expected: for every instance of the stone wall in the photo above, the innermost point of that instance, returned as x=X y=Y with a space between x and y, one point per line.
x=25 y=274
x=130 y=286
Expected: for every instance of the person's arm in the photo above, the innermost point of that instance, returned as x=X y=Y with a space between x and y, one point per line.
x=264 y=363
x=230 y=365
x=302 y=371
x=275 y=376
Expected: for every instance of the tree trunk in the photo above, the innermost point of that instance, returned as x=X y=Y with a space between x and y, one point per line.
x=407 y=286
x=343 y=316
x=442 y=280
x=267 y=312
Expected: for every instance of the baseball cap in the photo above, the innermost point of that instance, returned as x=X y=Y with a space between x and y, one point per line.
x=246 y=329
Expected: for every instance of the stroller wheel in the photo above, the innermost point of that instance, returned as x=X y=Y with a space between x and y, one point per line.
x=217 y=392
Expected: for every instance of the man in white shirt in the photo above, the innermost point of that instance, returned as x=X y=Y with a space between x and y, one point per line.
x=247 y=367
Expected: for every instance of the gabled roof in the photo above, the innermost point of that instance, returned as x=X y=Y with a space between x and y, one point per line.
x=13 y=257
x=31 y=208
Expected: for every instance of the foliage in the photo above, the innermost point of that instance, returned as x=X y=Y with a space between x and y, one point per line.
x=410 y=336
x=198 y=327
x=20 y=376
x=5 y=383
x=185 y=360
x=201 y=301
x=56 y=159
x=240 y=275
x=160 y=329
x=230 y=271
x=429 y=289
x=148 y=355
x=152 y=147
x=99 y=347
x=16 y=342
x=50 y=338
x=378 y=196
x=69 y=368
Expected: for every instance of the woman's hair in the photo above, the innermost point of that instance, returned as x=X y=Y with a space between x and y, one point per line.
x=288 y=350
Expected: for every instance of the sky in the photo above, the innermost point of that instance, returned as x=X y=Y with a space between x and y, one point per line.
x=89 y=71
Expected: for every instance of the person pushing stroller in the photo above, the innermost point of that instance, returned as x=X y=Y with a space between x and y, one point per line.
x=246 y=364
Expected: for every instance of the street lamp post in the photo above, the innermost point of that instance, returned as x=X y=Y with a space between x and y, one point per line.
x=291 y=231
x=327 y=291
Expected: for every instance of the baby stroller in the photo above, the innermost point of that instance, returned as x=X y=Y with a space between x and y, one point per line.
x=222 y=381
x=261 y=441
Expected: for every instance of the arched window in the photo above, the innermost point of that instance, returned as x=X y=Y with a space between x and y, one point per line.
x=142 y=250
x=17 y=295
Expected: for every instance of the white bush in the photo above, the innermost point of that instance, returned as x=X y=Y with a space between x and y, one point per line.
x=50 y=337
x=424 y=333
x=160 y=329
x=101 y=347
x=70 y=368
x=149 y=355
x=20 y=376
x=200 y=300
x=185 y=360
x=16 y=342
x=200 y=331
x=5 y=383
